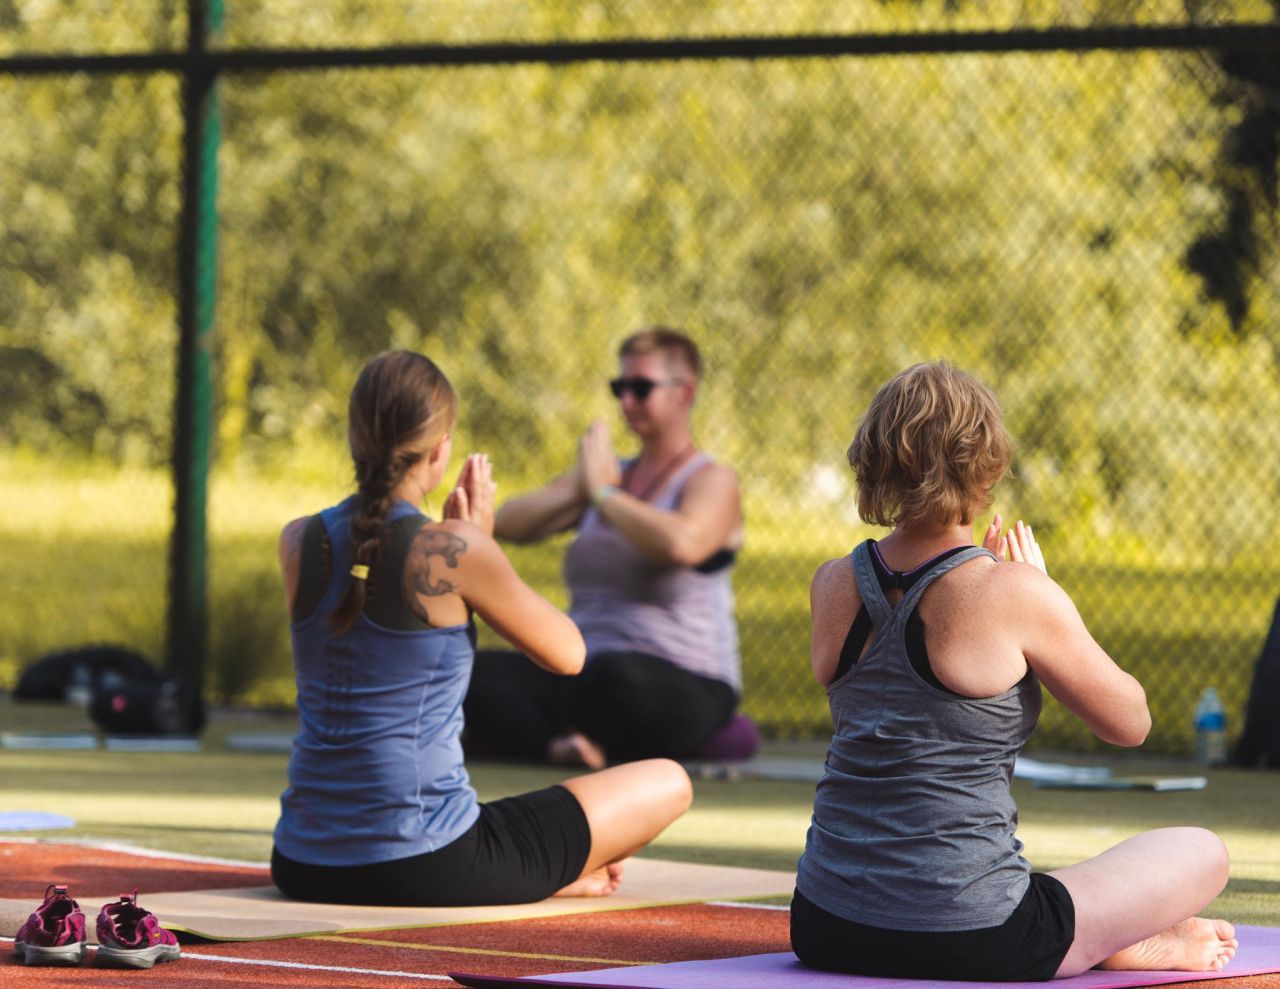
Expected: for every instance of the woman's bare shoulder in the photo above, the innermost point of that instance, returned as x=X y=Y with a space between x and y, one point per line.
x=1017 y=591
x=1009 y=577
x=290 y=544
x=294 y=529
x=832 y=580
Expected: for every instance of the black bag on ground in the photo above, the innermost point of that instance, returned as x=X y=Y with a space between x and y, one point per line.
x=1259 y=745
x=84 y=668
x=147 y=707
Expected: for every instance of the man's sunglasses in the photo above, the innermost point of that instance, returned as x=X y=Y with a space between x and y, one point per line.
x=639 y=387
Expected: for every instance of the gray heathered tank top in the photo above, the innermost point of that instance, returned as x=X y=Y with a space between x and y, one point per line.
x=913 y=823
x=625 y=602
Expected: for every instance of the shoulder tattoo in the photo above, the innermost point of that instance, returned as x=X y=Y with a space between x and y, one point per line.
x=428 y=544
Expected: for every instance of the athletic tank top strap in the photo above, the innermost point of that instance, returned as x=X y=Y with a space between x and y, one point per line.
x=686 y=470
x=914 y=825
x=904 y=580
x=946 y=564
x=873 y=599
x=384 y=603
x=860 y=630
x=376 y=772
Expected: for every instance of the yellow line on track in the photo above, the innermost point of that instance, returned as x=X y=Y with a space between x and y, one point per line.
x=344 y=939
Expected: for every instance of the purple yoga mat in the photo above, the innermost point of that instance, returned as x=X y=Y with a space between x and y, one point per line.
x=1259 y=954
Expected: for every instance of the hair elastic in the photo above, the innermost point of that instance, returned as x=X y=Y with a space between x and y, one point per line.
x=360 y=571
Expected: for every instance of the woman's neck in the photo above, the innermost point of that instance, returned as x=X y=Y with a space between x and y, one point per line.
x=909 y=545
x=411 y=490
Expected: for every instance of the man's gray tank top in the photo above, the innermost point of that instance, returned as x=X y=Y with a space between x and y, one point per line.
x=913 y=823
x=625 y=602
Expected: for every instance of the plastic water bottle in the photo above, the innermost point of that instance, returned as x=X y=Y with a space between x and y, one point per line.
x=1211 y=729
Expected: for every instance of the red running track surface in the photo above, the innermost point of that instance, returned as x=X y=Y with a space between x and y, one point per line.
x=372 y=960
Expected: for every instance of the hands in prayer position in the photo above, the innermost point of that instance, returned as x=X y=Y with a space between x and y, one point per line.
x=1018 y=545
x=472 y=498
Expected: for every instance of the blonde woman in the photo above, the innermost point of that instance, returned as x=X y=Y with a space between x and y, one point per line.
x=379 y=808
x=932 y=652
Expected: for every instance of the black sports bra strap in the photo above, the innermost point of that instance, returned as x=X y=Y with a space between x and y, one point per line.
x=386 y=604
x=313 y=569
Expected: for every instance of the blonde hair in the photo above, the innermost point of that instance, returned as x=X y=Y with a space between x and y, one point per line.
x=930 y=449
x=401 y=407
x=675 y=347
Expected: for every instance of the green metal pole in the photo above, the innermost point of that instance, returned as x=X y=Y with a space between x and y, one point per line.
x=186 y=645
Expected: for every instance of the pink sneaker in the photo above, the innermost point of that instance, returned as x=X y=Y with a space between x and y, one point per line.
x=130 y=937
x=54 y=934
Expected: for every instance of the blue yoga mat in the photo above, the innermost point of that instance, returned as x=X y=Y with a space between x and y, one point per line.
x=1259 y=954
x=33 y=820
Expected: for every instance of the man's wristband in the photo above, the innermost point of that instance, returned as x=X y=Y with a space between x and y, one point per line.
x=601 y=493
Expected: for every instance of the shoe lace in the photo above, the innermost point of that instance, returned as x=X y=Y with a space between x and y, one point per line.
x=56 y=908
x=125 y=916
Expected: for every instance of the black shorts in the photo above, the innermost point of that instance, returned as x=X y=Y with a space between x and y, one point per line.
x=520 y=850
x=1028 y=947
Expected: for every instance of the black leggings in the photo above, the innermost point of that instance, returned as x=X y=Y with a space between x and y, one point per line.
x=634 y=706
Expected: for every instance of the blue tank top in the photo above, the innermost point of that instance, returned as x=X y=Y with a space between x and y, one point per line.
x=376 y=770
x=913 y=823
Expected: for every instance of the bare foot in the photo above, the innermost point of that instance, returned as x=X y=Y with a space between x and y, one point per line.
x=575 y=750
x=602 y=882
x=1193 y=945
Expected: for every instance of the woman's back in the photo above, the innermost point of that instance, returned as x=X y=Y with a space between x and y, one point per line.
x=913 y=824
x=379 y=809
x=912 y=868
x=376 y=771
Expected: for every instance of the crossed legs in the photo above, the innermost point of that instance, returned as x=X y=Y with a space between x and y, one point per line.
x=623 y=706
x=627 y=807
x=1136 y=905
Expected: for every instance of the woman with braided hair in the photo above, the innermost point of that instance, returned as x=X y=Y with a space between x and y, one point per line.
x=379 y=809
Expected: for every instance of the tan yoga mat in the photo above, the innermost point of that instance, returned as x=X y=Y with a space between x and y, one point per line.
x=260 y=913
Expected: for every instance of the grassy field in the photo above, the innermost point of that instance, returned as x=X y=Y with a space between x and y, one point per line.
x=223 y=803
x=86 y=553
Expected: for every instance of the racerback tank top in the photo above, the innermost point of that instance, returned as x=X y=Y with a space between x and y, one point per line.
x=913 y=823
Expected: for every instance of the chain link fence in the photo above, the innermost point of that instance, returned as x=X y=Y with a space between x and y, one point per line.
x=1094 y=233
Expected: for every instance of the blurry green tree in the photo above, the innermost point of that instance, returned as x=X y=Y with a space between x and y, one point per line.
x=1095 y=234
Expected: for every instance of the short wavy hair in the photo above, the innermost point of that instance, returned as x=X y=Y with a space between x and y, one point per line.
x=677 y=350
x=930 y=449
